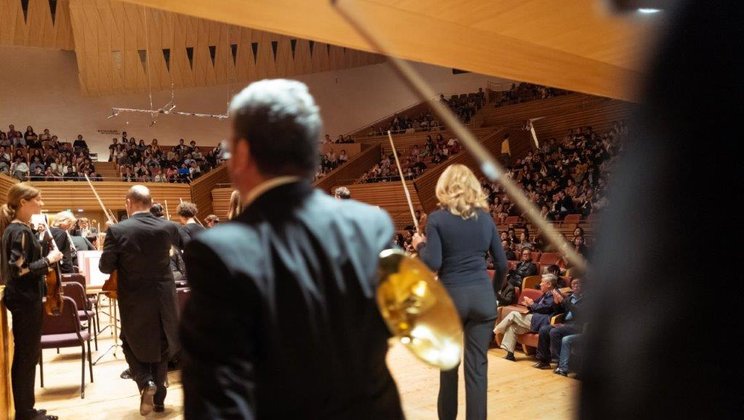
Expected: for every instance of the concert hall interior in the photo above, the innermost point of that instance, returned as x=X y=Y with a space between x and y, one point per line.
x=197 y=199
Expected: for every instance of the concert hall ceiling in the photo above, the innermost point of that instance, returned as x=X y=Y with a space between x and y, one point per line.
x=576 y=44
x=116 y=43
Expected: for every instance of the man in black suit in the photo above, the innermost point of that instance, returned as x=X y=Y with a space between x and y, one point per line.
x=282 y=320
x=63 y=222
x=138 y=249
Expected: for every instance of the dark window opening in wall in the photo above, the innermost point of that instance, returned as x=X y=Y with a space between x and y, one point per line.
x=190 y=55
x=274 y=47
x=212 y=53
x=254 y=47
x=312 y=47
x=234 y=52
x=166 y=56
x=293 y=43
x=24 y=6
x=53 y=10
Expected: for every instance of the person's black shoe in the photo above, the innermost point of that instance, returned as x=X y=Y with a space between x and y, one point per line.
x=559 y=371
x=42 y=415
x=126 y=374
x=542 y=365
x=158 y=408
x=146 y=403
x=510 y=356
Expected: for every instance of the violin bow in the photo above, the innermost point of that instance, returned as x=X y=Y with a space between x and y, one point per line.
x=403 y=181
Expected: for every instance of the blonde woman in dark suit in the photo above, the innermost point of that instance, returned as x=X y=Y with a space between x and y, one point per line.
x=458 y=236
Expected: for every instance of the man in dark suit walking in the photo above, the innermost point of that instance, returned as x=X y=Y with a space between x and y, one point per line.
x=282 y=320
x=138 y=248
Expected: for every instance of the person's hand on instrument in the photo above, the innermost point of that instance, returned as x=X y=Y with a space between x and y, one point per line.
x=417 y=239
x=54 y=256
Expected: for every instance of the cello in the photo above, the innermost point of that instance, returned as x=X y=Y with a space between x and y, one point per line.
x=111 y=285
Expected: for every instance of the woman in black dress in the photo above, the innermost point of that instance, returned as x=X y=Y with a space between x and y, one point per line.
x=23 y=269
x=458 y=236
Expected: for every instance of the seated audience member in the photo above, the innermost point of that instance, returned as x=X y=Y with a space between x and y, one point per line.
x=551 y=336
x=79 y=143
x=580 y=247
x=555 y=269
x=538 y=315
x=524 y=268
x=505 y=296
x=510 y=255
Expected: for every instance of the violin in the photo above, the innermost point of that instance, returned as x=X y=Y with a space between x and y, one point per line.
x=54 y=301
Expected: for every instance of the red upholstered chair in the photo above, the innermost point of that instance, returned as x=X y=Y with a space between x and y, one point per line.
x=572 y=219
x=512 y=220
x=504 y=311
x=183 y=294
x=549 y=258
x=64 y=331
x=92 y=298
x=75 y=291
x=530 y=282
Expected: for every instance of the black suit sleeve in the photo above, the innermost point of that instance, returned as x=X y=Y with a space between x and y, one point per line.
x=110 y=256
x=431 y=250
x=218 y=375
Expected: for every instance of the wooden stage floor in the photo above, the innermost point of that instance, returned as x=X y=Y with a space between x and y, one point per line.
x=515 y=390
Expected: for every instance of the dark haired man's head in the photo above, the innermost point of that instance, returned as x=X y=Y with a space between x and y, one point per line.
x=186 y=210
x=275 y=130
x=157 y=210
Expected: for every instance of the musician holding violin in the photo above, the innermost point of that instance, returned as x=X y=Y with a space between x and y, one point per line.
x=23 y=271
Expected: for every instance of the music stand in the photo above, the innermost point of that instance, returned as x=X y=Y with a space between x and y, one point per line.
x=113 y=323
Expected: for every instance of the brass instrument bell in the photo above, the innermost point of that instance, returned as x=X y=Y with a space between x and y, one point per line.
x=418 y=310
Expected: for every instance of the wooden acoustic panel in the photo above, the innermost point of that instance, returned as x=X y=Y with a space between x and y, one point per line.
x=201 y=190
x=36 y=23
x=123 y=47
x=576 y=45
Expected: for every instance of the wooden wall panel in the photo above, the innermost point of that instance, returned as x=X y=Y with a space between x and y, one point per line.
x=389 y=196
x=221 y=202
x=62 y=195
x=5 y=183
x=107 y=29
x=201 y=189
x=349 y=173
x=36 y=28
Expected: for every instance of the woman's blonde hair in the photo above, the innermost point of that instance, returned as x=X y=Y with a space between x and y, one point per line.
x=16 y=193
x=459 y=191
x=235 y=207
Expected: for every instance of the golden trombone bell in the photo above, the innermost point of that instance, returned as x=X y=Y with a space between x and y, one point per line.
x=418 y=310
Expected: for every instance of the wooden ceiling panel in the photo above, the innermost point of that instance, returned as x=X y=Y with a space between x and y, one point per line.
x=573 y=45
x=123 y=48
